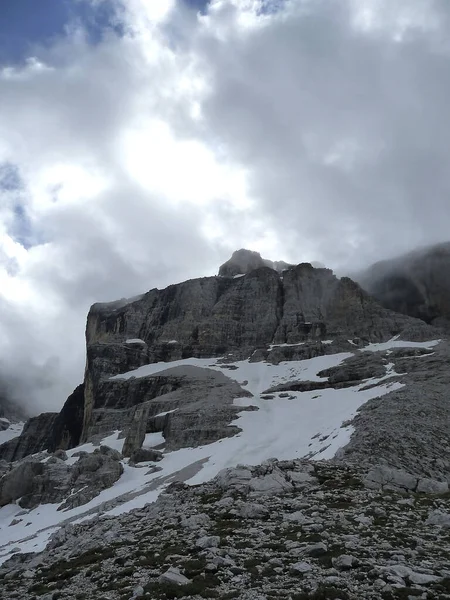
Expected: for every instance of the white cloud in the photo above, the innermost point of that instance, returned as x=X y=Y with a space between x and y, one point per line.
x=308 y=130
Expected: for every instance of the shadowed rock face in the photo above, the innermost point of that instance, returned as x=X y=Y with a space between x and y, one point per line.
x=36 y=436
x=67 y=429
x=417 y=284
x=49 y=431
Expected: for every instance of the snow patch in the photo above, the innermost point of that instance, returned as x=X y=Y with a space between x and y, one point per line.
x=13 y=431
x=153 y=439
x=396 y=343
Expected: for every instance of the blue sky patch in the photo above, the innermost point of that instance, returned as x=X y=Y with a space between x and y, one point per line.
x=10 y=182
x=27 y=24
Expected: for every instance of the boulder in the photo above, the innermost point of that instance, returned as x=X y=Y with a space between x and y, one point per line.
x=208 y=541
x=237 y=478
x=385 y=477
x=272 y=483
x=431 y=486
x=173 y=575
x=344 y=562
x=439 y=518
x=300 y=568
x=19 y=482
x=145 y=455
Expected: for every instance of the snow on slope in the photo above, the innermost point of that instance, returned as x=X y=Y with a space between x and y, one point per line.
x=305 y=424
x=14 y=430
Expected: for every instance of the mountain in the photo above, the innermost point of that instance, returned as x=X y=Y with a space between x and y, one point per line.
x=415 y=284
x=242 y=435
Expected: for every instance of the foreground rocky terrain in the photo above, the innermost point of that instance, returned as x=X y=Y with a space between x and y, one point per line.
x=288 y=529
x=338 y=406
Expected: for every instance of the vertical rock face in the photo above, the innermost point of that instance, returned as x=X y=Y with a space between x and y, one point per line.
x=207 y=317
x=216 y=316
x=36 y=436
x=417 y=284
x=68 y=426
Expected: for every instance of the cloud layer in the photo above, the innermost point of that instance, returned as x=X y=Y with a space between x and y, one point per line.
x=307 y=130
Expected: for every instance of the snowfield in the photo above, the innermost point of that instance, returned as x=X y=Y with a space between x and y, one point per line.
x=303 y=424
x=14 y=430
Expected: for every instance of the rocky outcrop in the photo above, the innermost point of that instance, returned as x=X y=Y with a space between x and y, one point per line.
x=243 y=261
x=37 y=435
x=191 y=406
x=417 y=284
x=49 y=431
x=41 y=481
x=67 y=429
x=385 y=478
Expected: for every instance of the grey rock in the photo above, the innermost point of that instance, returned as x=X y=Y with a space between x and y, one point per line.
x=299 y=478
x=297 y=517
x=431 y=486
x=301 y=568
x=146 y=454
x=136 y=433
x=437 y=517
x=19 y=482
x=315 y=550
x=208 y=541
x=138 y=591
x=92 y=474
x=252 y=510
x=195 y=521
x=173 y=575
x=272 y=483
x=344 y=562
x=385 y=477
x=237 y=478
x=60 y=454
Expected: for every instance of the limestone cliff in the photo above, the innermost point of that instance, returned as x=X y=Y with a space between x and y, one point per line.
x=238 y=317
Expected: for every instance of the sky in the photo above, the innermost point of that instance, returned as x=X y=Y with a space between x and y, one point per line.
x=142 y=141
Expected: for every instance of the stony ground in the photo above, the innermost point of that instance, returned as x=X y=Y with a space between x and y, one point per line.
x=288 y=530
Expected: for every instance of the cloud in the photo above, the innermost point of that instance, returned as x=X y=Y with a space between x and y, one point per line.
x=305 y=130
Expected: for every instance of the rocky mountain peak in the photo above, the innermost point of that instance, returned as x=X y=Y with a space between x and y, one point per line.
x=243 y=261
